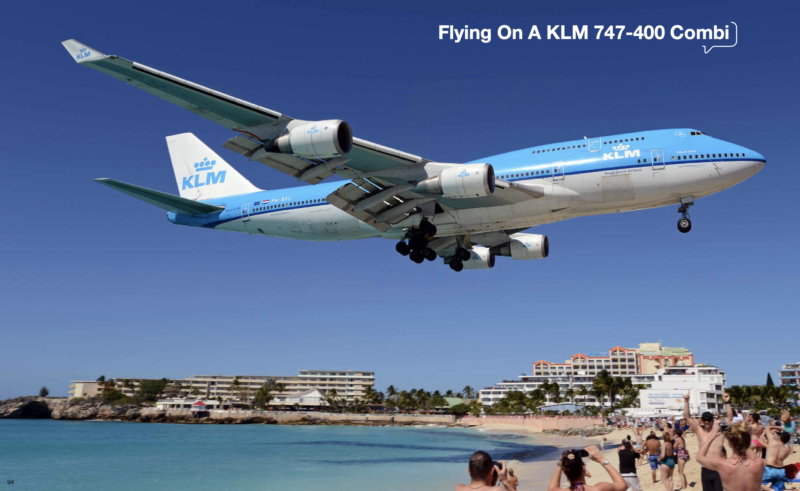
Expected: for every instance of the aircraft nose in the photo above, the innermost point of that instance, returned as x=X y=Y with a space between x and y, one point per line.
x=760 y=165
x=760 y=161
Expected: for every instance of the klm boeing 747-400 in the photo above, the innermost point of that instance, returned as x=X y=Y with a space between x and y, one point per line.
x=467 y=213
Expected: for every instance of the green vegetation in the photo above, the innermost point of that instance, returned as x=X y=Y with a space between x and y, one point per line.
x=266 y=393
x=762 y=397
x=76 y=400
x=43 y=392
x=150 y=390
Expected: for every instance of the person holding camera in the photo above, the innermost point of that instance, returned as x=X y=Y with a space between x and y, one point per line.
x=484 y=474
x=571 y=464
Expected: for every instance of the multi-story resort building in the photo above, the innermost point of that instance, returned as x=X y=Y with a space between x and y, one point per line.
x=349 y=385
x=638 y=364
x=790 y=374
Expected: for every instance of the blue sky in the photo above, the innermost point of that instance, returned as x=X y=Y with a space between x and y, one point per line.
x=94 y=282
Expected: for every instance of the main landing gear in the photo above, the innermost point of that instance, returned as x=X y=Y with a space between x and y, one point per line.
x=417 y=247
x=685 y=224
x=457 y=260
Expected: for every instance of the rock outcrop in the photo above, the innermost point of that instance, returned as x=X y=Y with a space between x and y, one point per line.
x=586 y=432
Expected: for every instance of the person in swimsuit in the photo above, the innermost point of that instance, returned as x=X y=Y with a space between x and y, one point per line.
x=653 y=447
x=682 y=453
x=756 y=429
x=571 y=464
x=775 y=440
x=667 y=463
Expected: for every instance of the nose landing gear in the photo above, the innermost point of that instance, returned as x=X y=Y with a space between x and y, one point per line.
x=685 y=224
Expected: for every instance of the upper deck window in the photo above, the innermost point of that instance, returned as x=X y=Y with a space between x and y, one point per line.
x=698 y=133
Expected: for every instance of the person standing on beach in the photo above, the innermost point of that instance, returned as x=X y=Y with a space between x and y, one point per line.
x=710 y=478
x=682 y=454
x=484 y=474
x=741 y=472
x=653 y=447
x=571 y=464
x=667 y=462
x=627 y=465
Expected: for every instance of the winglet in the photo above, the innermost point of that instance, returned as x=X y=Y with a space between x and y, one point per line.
x=82 y=53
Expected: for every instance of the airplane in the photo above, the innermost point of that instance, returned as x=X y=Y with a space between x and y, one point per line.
x=466 y=213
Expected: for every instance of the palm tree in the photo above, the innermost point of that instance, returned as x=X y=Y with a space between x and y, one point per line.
x=583 y=391
x=599 y=394
x=391 y=391
x=449 y=393
x=469 y=392
x=235 y=385
x=570 y=394
x=332 y=399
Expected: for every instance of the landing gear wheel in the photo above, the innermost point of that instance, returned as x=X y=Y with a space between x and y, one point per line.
x=684 y=225
x=417 y=242
x=463 y=254
x=402 y=248
x=429 y=254
x=417 y=256
x=456 y=265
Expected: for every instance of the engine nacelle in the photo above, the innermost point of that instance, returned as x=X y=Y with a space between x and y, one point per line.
x=480 y=258
x=524 y=246
x=317 y=140
x=462 y=181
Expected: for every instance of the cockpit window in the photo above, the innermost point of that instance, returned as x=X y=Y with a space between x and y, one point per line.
x=697 y=133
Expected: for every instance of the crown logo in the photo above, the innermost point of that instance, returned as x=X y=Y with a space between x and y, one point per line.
x=82 y=49
x=621 y=147
x=205 y=164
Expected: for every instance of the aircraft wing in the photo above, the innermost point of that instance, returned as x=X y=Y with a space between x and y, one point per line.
x=255 y=123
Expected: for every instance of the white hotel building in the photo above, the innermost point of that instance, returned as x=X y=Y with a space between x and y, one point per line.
x=349 y=384
x=645 y=365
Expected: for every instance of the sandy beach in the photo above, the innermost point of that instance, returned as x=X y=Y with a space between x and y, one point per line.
x=536 y=475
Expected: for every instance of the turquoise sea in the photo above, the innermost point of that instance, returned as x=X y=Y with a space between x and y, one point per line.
x=84 y=455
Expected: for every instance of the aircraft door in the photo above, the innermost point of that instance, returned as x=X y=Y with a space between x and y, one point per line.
x=558 y=171
x=595 y=144
x=246 y=212
x=658 y=159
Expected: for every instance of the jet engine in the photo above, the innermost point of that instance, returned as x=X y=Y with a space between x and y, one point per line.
x=524 y=246
x=317 y=140
x=461 y=181
x=480 y=258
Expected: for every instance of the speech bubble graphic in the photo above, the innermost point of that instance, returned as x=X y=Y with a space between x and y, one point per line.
x=731 y=46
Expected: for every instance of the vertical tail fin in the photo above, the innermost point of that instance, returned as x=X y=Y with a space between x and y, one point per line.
x=201 y=173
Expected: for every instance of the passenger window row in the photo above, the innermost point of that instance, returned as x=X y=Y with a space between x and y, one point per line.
x=559 y=149
x=621 y=141
x=709 y=156
x=527 y=174
x=296 y=203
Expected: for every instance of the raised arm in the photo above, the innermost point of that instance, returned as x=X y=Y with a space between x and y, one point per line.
x=618 y=483
x=555 y=481
x=728 y=409
x=687 y=414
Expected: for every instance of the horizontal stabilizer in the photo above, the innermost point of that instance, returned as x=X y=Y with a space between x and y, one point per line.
x=164 y=201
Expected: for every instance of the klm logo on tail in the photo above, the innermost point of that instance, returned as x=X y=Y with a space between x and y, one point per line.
x=195 y=181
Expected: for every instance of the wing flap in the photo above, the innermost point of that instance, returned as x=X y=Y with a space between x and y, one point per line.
x=382 y=214
x=165 y=201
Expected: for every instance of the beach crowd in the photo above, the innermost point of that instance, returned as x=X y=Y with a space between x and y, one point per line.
x=735 y=450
